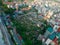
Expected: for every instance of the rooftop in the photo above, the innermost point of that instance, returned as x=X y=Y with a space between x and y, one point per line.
x=52 y=36
x=58 y=29
x=50 y=29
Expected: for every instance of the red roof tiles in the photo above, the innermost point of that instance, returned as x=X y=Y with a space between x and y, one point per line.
x=58 y=29
x=55 y=41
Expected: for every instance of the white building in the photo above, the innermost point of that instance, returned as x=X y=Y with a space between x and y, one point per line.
x=48 y=41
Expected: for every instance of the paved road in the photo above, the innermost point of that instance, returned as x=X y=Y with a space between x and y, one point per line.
x=16 y=38
x=1 y=39
x=14 y=35
x=5 y=33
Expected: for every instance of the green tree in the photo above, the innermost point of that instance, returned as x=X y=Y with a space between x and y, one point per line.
x=1 y=3
x=9 y=10
x=21 y=0
x=10 y=0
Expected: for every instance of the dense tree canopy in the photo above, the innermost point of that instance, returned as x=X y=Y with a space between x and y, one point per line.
x=10 y=0
x=1 y=2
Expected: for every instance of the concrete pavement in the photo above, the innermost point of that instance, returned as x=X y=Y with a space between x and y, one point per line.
x=5 y=33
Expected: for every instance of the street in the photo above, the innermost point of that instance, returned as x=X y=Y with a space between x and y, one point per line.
x=5 y=33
